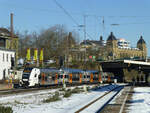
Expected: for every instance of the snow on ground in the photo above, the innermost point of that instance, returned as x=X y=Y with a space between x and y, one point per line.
x=98 y=104
x=140 y=102
x=32 y=102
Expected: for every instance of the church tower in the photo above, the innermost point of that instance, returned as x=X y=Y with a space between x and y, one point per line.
x=111 y=46
x=141 y=44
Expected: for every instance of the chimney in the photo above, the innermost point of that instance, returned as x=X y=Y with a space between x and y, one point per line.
x=11 y=24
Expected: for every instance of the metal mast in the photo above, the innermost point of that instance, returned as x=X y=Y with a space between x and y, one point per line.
x=85 y=40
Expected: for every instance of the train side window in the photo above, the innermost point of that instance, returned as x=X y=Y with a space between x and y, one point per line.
x=46 y=78
x=66 y=76
x=53 y=78
x=76 y=76
x=40 y=77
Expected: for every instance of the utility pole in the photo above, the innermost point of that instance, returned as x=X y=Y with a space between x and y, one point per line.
x=85 y=39
x=103 y=23
x=84 y=27
x=67 y=51
x=11 y=24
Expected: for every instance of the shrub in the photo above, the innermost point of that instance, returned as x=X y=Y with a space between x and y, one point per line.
x=62 y=89
x=88 y=88
x=4 y=109
x=67 y=94
x=77 y=90
x=52 y=98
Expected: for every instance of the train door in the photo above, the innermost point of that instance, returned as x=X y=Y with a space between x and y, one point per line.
x=70 y=78
x=91 y=78
x=80 y=79
x=56 y=79
x=43 y=78
x=99 y=78
x=108 y=79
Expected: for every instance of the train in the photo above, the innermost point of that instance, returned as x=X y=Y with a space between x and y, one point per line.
x=32 y=77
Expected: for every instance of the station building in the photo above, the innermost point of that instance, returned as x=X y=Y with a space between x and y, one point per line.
x=8 y=41
x=6 y=62
x=111 y=49
x=8 y=52
x=121 y=49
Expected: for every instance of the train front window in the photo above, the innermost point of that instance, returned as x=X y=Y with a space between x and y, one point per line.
x=26 y=76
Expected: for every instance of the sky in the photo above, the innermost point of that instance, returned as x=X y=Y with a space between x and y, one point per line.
x=130 y=18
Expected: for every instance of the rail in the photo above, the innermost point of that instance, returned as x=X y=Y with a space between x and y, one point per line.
x=99 y=110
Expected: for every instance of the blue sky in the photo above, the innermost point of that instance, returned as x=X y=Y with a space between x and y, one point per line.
x=33 y=15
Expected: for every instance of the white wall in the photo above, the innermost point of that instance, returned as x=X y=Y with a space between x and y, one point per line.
x=5 y=62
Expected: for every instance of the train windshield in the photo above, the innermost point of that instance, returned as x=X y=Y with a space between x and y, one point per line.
x=27 y=70
x=26 y=75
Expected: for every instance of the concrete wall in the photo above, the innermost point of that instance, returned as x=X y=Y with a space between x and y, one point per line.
x=5 y=62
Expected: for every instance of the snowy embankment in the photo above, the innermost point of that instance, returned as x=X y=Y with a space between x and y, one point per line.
x=140 y=102
x=33 y=102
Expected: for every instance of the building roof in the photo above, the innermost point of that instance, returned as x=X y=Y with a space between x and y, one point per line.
x=4 y=49
x=111 y=37
x=141 y=41
x=86 y=42
x=91 y=42
x=5 y=32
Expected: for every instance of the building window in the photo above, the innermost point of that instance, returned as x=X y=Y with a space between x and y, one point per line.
x=2 y=42
x=7 y=57
x=3 y=57
x=4 y=74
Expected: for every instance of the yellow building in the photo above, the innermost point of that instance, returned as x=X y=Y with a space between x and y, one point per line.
x=116 y=51
x=112 y=49
x=8 y=41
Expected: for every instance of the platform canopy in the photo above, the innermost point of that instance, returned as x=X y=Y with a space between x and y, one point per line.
x=120 y=64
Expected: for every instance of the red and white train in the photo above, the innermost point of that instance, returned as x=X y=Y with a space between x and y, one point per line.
x=37 y=77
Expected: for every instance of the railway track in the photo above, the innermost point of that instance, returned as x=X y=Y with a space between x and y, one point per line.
x=89 y=108
x=53 y=86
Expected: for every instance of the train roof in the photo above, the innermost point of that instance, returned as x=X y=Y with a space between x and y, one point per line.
x=92 y=71
x=69 y=70
x=49 y=70
x=63 y=70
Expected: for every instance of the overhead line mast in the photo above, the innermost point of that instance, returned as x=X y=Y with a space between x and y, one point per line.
x=85 y=39
x=67 y=13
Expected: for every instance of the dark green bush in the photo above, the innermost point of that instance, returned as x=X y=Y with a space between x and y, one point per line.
x=62 y=89
x=4 y=109
x=77 y=90
x=88 y=88
x=67 y=94
x=52 y=98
